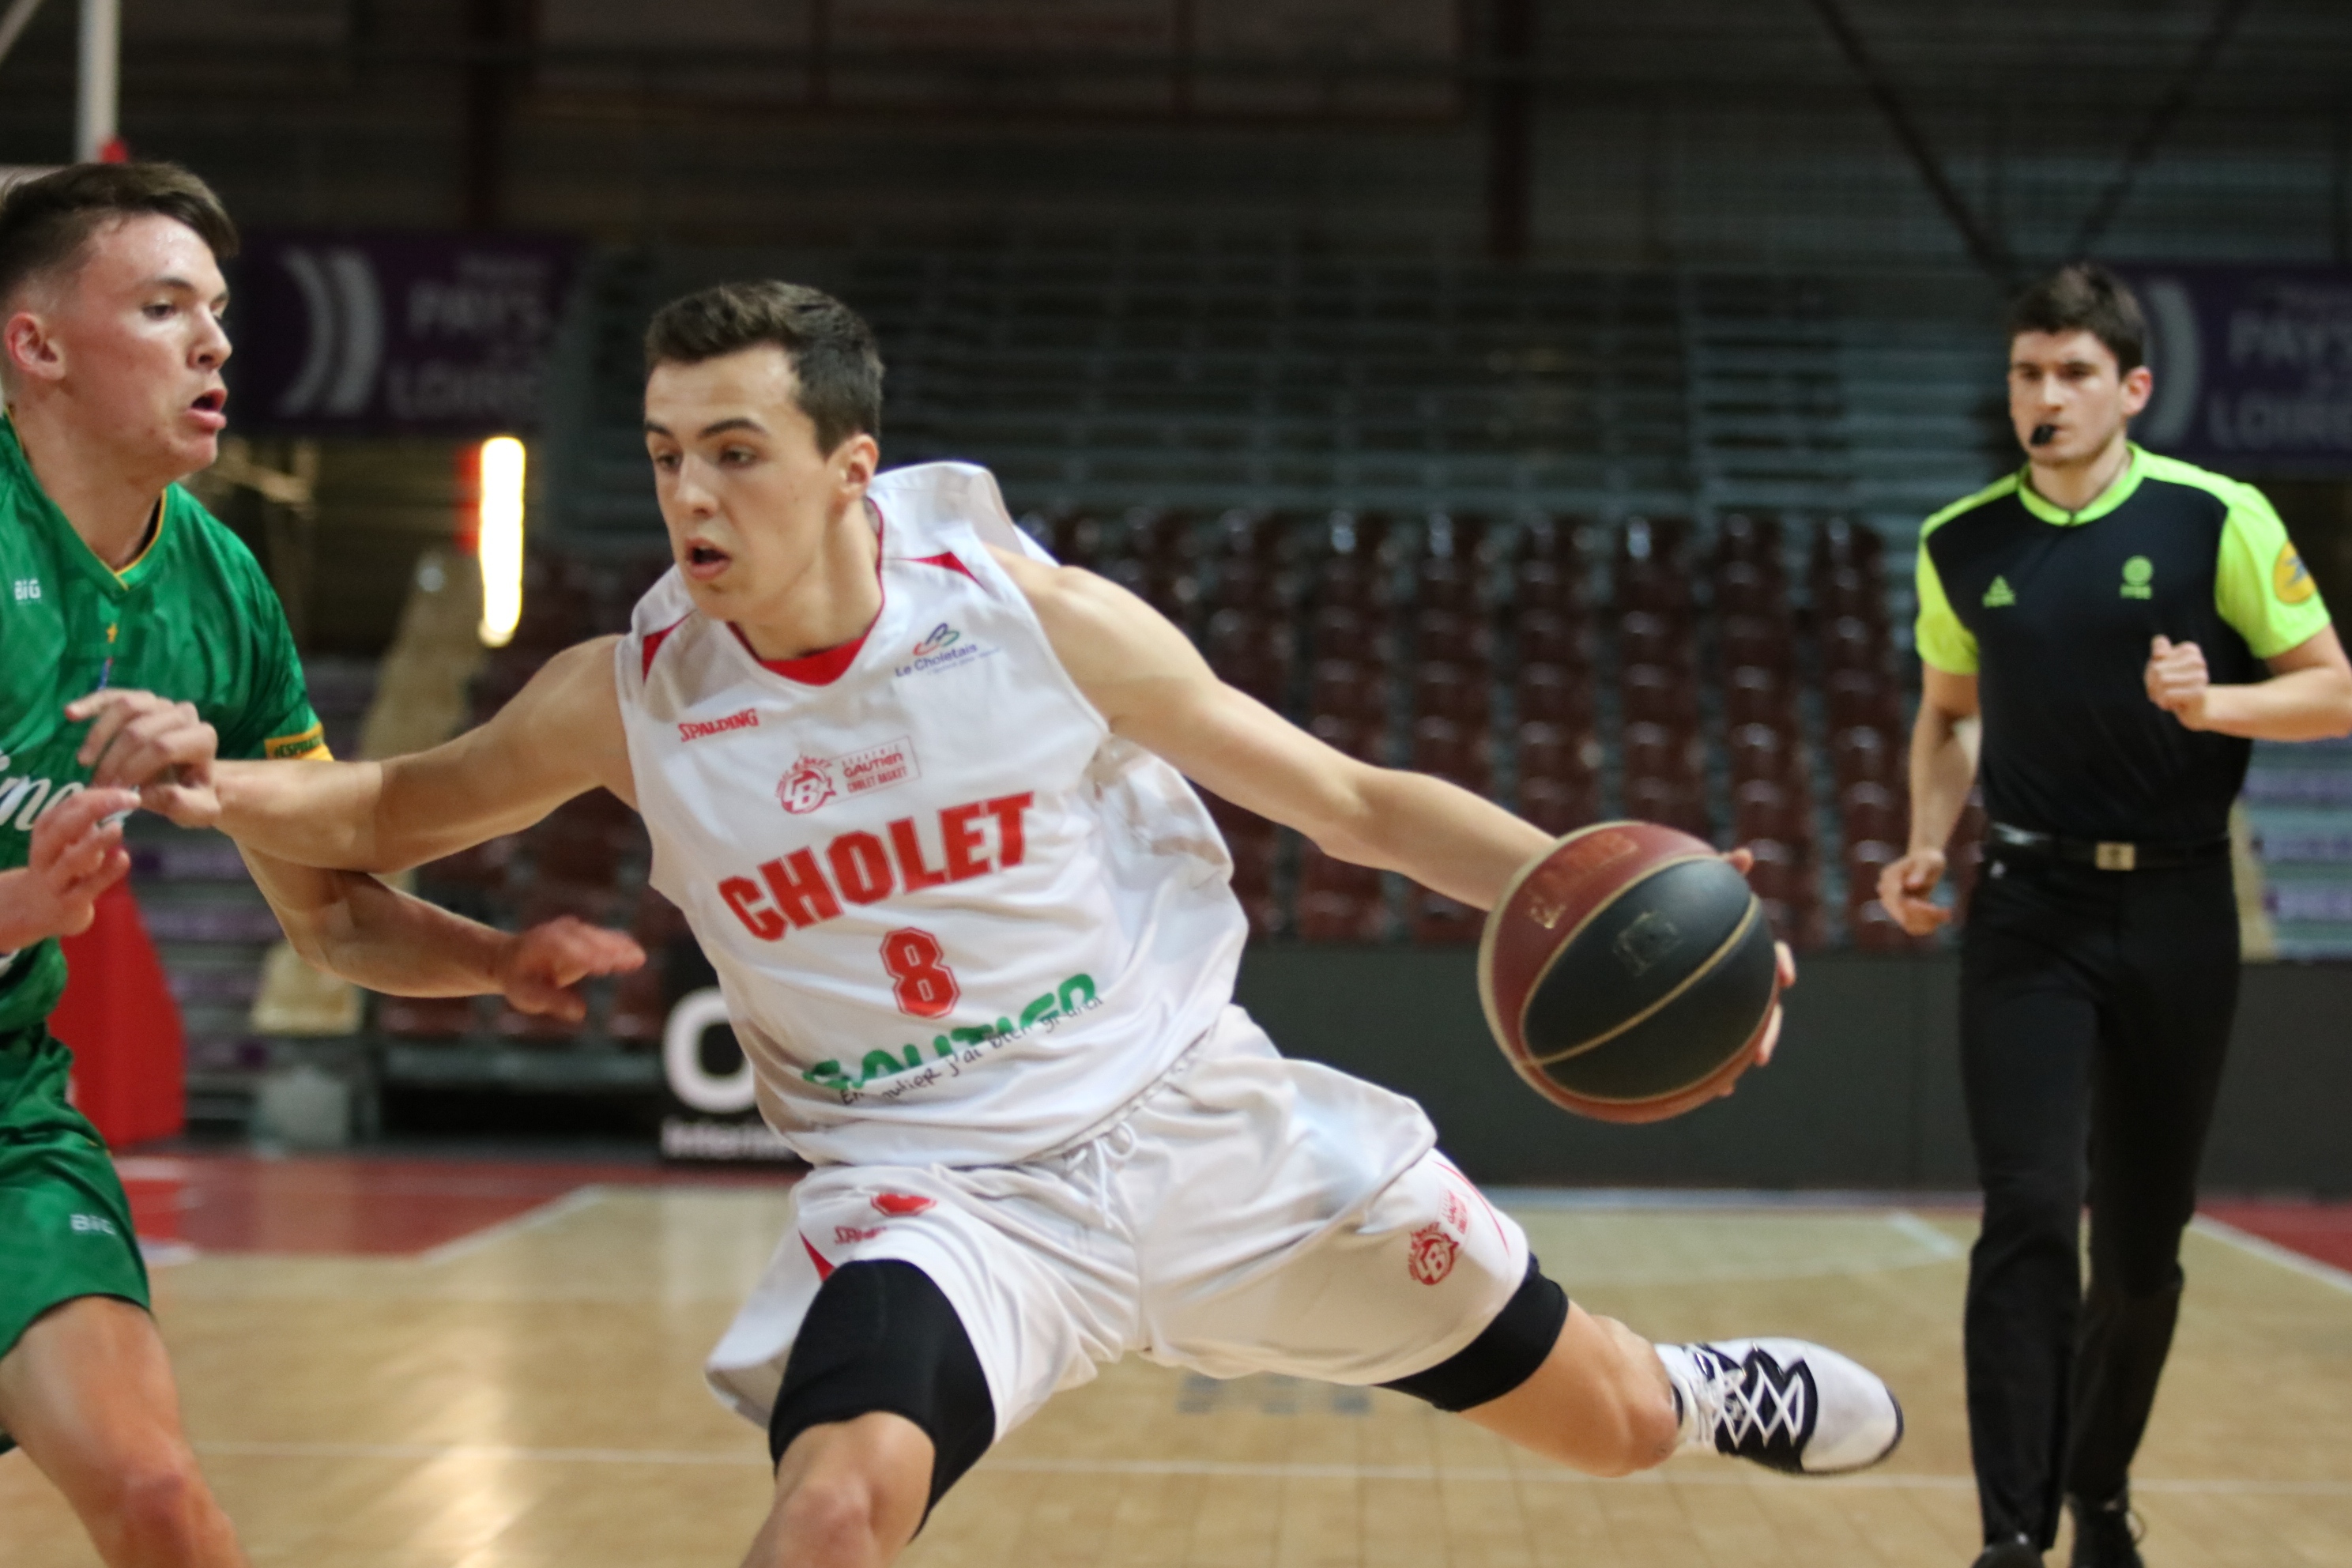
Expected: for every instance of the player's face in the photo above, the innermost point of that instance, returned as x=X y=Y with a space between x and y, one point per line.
x=2069 y=385
x=744 y=491
x=134 y=338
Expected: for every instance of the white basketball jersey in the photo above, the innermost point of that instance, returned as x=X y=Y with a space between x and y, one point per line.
x=957 y=922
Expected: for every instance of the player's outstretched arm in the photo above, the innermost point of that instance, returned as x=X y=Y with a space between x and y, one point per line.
x=559 y=738
x=1157 y=691
x=312 y=831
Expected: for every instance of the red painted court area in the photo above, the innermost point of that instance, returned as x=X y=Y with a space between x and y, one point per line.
x=237 y=1203
x=2322 y=1232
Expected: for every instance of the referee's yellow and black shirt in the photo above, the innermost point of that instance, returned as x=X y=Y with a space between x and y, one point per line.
x=2053 y=611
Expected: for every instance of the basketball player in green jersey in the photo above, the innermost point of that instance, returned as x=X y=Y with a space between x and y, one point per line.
x=136 y=630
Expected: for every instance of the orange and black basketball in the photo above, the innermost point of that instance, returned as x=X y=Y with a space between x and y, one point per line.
x=1628 y=973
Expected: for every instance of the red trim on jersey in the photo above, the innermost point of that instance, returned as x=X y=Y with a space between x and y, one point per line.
x=824 y=1269
x=822 y=667
x=827 y=665
x=946 y=558
x=654 y=641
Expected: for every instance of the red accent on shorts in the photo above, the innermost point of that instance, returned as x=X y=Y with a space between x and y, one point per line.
x=824 y=1269
x=654 y=641
x=899 y=1205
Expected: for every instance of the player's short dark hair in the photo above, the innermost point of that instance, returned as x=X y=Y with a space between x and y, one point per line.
x=47 y=221
x=2085 y=297
x=833 y=353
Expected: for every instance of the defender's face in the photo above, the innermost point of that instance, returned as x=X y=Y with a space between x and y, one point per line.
x=744 y=491
x=134 y=338
x=2069 y=383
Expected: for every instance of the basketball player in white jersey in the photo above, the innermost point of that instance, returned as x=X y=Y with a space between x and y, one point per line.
x=921 y=796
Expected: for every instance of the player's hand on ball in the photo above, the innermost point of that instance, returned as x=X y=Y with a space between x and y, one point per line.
x=1783 y=960
x=1907 y=887
x=162 y=749
x=2178 y=681
x=77 y=854
x=538 y=969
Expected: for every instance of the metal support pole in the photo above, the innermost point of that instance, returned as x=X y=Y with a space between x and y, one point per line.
x=14 y=23
x=99 y=92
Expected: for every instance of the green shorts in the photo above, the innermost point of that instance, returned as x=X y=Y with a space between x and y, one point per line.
x=65 y=1220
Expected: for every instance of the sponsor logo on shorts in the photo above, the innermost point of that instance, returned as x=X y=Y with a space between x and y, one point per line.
x=1431 y=1258
x=92 y=1225
x=850 y=1235
x=699 y=729
x=28 y=590
x=1457 y=1213
x=903 y=1205
x=813 y=781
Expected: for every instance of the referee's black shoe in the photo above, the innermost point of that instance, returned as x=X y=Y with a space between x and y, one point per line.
x=2107 y=1534
x=2015 y=1552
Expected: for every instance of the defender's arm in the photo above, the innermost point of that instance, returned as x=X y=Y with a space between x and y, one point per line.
x=1157 y=691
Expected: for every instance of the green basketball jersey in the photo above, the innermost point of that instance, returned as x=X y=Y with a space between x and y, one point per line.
x=193 y=618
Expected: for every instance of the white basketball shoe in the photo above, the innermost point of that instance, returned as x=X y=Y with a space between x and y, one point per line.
x=1784 y=1404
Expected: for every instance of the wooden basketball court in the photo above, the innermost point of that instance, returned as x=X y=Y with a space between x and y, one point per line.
x=404 y=1365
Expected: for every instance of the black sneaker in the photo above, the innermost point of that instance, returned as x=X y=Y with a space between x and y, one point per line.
x=1786 y=1404
x=2019 y=1552
x=2107 y=1534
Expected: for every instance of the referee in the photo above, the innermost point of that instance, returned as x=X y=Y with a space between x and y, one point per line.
x=2127 y=626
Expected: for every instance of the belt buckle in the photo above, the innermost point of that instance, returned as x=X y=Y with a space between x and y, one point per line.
x=2116 y=857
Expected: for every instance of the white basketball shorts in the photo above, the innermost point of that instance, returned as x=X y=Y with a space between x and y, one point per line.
x=1248 y=1213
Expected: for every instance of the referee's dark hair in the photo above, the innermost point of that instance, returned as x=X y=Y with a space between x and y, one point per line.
x=2085 y=297
x=836 y=367
x=47 y=221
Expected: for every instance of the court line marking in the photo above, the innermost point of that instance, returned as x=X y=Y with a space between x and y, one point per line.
x=1236 y=1471
x=2269 y=1251
x=1938 y=1244
x=530 y=1219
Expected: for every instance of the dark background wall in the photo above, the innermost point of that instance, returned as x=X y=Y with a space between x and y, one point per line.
x=1865 y=1092
x=1697 y=133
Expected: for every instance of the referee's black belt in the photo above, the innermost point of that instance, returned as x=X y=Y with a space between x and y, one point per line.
x=2108 y=856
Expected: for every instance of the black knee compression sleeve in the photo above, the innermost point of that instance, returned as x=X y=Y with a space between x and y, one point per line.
x=880 y=1336
x=1503 y=1356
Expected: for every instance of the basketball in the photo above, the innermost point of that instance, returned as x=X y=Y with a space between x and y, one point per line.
x=1628 y=973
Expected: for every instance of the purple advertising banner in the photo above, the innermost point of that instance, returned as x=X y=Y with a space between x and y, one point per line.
x=396 y=334
x=2253 y=366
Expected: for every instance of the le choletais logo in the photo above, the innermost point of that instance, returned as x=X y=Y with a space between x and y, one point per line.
x=942 y=647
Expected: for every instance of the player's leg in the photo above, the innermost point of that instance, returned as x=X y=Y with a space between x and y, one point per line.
x=1600 y=1402
x=1294 y=1220
x=2028 y=1028
x=2159 y=1075
x=850 y=1494
x=87 y=1393
x=1592 y=1394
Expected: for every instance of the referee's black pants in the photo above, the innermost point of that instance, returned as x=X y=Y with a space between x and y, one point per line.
x=2094 y=1013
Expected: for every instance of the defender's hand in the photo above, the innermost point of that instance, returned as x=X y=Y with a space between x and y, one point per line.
x=538 y=969
x=2178 y=681
x=1907 y=887
x=161 y=748
x=77 y=854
